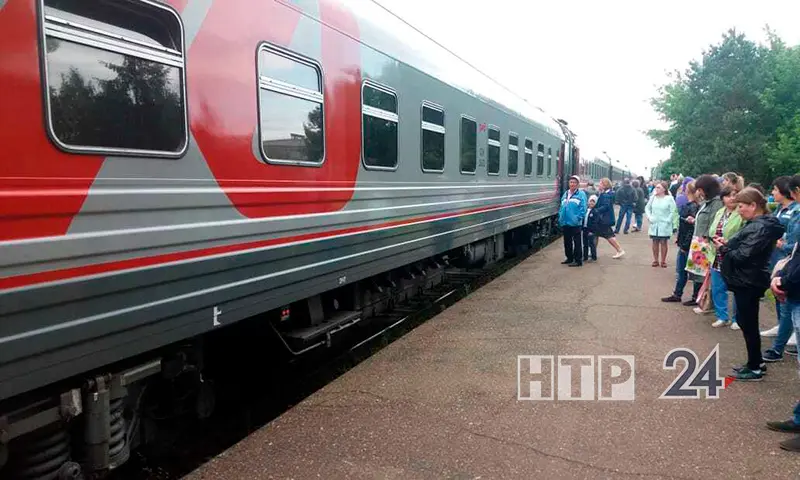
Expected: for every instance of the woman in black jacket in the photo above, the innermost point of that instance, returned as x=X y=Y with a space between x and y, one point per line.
x=684 y=241
x=744 y=266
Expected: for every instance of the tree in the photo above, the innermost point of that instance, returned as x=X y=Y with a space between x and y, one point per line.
x=737 y=109
x=313 y=134
x=135 y=103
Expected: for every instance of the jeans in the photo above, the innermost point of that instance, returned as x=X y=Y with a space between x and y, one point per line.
x=794 y=314
x=572 y=244
x=680 y=270
x=589 y=244
x=785 y=327
x=683 y=275
x=719 y=294
x=747 y=303
x=638 y=220
x=627 y=212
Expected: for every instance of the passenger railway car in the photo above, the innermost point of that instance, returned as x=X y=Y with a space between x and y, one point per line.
x=595 y=168
x=170 y=169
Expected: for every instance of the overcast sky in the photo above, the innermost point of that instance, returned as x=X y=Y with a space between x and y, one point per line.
x=614 y=54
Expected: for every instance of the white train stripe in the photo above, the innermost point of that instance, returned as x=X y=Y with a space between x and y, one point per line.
x=253 y=221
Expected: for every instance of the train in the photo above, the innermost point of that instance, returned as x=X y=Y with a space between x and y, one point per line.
x=592 y=169
x=173 y=169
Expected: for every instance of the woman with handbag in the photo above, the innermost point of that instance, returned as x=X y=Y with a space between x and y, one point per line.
x=697 y=265
x=727 y=222
x=786 y=213
x=745 y=269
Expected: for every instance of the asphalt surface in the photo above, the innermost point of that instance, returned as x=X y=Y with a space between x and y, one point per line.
x=441 y=402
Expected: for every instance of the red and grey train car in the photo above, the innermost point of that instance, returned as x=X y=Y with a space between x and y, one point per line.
x=172 y=168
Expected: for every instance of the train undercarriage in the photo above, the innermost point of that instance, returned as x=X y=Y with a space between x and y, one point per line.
x=88 y=426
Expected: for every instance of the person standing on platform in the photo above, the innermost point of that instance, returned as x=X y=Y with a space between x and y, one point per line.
x=626 y=198
x=681 y=198
x=745 y=269
x=726 y=223
x=643 y=185
x=589 y=227
x=604 y=211
x=786 y=288
x=782 y=191
x=733 y=180
x=638 y=207
x=675 y=185
x=590 y=190
x=663 y=217
x=707 y=189
x=570 y=219
x=684 y=241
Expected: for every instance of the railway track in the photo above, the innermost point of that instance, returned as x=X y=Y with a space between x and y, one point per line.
x=249 y=401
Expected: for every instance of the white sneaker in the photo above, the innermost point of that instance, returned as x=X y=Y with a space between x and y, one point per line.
x=772 y=332
x=619 y=254
x=720 y=323
x=700 y=311
x=792 y=340
x=735 y=326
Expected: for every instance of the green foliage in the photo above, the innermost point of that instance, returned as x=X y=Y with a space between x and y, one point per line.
x=738 y=109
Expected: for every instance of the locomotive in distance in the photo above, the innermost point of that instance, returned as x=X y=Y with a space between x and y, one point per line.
x=173 y=170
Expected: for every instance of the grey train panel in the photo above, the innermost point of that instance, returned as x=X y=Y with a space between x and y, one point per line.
x=376 y=203
x=186 y=300
x=278 y=261
x=155 y=206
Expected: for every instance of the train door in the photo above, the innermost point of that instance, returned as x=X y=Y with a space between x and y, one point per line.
x=563 y=168
x=568 y=162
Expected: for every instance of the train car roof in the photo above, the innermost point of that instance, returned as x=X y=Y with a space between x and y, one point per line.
x=593 y=157
x=391 y=35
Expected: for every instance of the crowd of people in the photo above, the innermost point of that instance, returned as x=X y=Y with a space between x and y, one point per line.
x=729 y=238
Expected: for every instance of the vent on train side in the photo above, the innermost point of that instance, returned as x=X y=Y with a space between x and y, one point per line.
x=114 y=74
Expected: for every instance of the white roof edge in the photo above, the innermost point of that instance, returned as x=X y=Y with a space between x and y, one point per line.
x=441 y=63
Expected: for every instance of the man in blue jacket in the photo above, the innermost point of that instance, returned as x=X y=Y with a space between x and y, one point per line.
x=570 y=219
x=786 y=287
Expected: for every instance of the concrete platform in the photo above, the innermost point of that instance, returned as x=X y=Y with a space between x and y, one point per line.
x=442 y=401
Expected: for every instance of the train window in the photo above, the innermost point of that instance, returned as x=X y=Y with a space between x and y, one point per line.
x=549 y=162
x=493 y=151
x=469 y=144
x=433 y=133
x=528 y=157
x=379 y=129
x=540 y=160
x=290 y=108
x=115 y=77
x=513 y=153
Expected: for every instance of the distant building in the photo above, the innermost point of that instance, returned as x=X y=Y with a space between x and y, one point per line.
x=292 y=148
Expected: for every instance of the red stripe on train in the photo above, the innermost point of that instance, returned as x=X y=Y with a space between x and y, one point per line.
x=28 y=158
x=86 y=270
x=223 y=97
